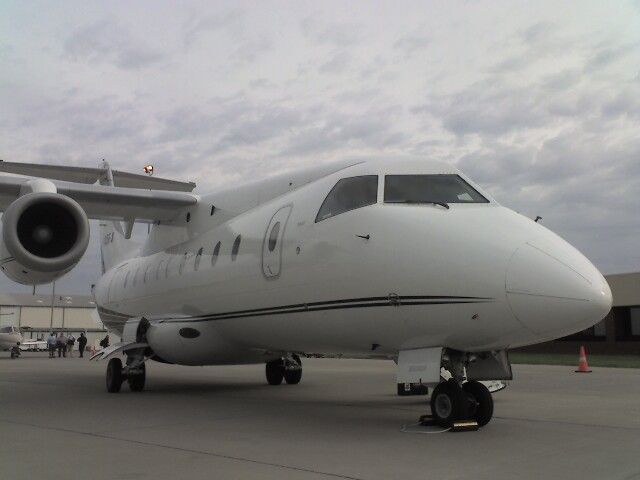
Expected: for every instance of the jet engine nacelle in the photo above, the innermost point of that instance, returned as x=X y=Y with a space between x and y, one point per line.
x=44 y=235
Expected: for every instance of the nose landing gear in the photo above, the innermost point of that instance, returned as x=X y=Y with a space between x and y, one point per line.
x=288 y=368
x=451 y=403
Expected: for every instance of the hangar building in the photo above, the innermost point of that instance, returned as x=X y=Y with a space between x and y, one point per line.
x=34 y=315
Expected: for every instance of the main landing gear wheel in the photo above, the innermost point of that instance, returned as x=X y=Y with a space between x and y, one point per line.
x=136 y=380
x=448 y=403
x=481 y=400
x=293 y=370
x=275 y=372
x=114 y=375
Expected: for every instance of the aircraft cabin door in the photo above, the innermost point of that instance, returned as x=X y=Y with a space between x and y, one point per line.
x=272 y=243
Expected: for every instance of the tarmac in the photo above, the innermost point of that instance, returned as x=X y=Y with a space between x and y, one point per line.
x=343 y=421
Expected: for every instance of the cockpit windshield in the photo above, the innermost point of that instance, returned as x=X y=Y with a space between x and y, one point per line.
x=7 y=329
x=436 y=188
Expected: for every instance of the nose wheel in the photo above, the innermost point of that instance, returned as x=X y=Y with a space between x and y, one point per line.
x=451 y=403
x=481 y=402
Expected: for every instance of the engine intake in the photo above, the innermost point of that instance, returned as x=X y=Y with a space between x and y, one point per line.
x=46 y=234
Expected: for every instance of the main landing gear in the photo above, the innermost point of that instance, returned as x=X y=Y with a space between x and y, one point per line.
x=134 y=373
x=451 y=403
x=287 y=368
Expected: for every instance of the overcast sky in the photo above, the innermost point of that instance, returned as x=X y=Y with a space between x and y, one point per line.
x=539 y=102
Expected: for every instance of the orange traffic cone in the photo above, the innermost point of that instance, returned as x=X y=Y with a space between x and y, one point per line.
x=583 y=366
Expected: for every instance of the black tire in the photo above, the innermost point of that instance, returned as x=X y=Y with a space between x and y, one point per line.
x=448 y=403
x=136 y=382
x=114 y=375
x=275 y=372
x=293 y=377
x=483 y=401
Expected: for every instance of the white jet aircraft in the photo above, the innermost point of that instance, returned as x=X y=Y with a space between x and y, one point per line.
x=10 y=340
x=408 y=260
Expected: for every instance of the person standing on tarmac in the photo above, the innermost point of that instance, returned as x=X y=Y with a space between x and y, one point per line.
x=62 y=345
x=82 y=342
x=71 y=340
x=51 y=345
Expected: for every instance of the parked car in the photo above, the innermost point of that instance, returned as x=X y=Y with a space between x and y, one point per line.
x=33 y=345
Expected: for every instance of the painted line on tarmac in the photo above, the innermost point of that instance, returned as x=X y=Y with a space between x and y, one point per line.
x=563 y=422
x=184 y=450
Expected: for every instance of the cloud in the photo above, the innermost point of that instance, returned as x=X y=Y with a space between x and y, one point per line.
x=607 y=54
x=337 y=34
x=340 y=131
x=107 y=41
x=625 y=102
x=337 y=64
x=252 y=49
x=412 y=43
x=487 y=108
x=197 y=25
x=538 y=32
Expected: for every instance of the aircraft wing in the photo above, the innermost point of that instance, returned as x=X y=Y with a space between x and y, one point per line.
x=90 y=175
x=105 y=202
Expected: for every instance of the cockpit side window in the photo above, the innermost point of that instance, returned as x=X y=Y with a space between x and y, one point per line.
x=437 y=188
x=349 y=194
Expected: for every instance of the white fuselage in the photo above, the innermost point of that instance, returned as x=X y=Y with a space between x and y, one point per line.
x=10 y=337
x=367 y=282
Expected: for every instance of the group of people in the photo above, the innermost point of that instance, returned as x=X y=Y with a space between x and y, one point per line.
x=64 y=344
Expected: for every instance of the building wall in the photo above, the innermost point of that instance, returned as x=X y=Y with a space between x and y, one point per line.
x=625 y=288
x=40 y=317
x=35 y=321
x=9 y=316
x=617 y=334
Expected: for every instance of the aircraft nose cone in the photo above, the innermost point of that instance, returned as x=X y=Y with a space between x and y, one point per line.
x=553 y=290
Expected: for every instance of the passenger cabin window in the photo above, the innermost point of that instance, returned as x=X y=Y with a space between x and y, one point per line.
x=437 y=188
x=214 y=255
x=196 y=264
x=349 y=194
x=235 y=248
